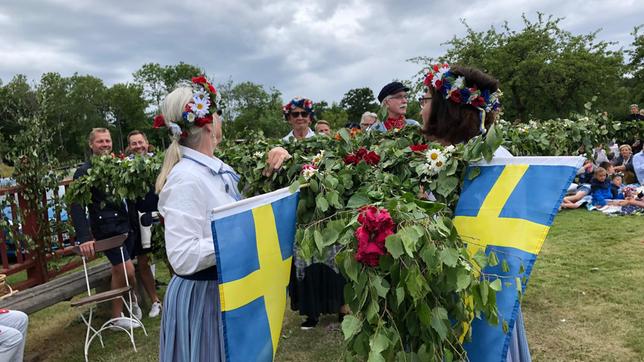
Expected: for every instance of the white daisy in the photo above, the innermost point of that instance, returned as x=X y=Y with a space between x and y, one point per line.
x=433 y=154
x=200 y=107
x=190 y=117
x=200 y=95
x=459 y=82
x=450 y=149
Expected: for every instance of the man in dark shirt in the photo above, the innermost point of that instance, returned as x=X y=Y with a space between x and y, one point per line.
x=110 y=219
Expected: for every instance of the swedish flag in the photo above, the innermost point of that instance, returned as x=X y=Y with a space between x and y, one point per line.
x=508 y=208
x=254 y=248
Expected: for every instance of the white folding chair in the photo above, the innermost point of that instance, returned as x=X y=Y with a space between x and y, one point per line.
x=93 y=299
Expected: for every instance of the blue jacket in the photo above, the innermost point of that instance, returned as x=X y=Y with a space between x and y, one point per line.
x=600 y=191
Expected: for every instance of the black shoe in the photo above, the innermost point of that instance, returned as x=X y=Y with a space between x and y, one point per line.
x=310 y=323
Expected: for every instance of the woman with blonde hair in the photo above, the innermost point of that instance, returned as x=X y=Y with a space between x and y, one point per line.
x=191 y=183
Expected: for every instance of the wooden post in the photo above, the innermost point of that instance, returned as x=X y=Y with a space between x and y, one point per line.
x=30 y=227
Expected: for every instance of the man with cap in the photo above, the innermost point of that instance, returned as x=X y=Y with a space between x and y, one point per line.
x=393 y=97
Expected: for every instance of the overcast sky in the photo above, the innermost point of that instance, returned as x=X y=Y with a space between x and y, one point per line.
x=318 y=49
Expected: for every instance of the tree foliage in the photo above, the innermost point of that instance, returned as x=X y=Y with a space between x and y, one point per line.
x=545 y=71
x=357 y=101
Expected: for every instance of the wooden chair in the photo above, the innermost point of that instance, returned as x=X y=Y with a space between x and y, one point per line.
x=93 y=299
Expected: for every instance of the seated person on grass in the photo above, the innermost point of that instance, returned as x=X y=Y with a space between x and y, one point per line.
x=600 y=187
x=608 y=167
x=584 y=175
x=616 y=187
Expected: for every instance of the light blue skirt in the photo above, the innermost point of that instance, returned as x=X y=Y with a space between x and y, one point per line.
x=518 y=348
x=191 y=328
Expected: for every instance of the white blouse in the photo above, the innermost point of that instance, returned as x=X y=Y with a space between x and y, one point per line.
x=195 y=186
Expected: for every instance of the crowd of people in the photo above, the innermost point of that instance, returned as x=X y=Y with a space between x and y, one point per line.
x=611 y=181
x=192 y=182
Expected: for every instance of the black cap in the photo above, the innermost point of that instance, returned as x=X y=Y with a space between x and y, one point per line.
x=391 y=88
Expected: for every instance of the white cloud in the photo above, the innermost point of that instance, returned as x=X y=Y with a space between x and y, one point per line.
x=319 y=49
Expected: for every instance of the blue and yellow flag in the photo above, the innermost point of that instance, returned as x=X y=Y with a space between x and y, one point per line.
x=254 y=248
x=508 y=208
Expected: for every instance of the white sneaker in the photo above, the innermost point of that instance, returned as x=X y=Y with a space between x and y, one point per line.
x=136 y=311
x=123 y=324
x=155 y=310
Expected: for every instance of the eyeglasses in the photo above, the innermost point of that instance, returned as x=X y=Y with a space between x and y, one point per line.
x=423 y=100
x=303 y=114
x=399 y=97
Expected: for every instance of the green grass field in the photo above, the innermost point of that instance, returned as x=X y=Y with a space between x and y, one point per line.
x=583 y=303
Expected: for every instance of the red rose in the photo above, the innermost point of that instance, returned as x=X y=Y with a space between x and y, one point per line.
x=361 y=152
x=439 y=84
x=370 y=254
x=159 y=121
x=418 y=148
x=380 y=237
x=435 y=67
x=455 y=96
x=211 y=88
x=351 y=159
x=371 y=158
x=478 y=101
x=199 y=80
x=362 y=235
x=428 y=79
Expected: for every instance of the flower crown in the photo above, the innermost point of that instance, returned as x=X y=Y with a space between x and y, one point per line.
x=453 y=87
x=298 y=102
x=197 y=112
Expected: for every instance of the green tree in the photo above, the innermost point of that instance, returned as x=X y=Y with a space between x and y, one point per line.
x=545 y=71
x=357 y=101
x=87 y=107
x=127 y=107
x=157 y=80
x=54 y=109
x=17 y=100
x=634 y=81
x=251 y=107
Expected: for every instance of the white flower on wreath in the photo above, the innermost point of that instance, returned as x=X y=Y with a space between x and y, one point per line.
x=439 y=75
x=190 y=117
x=309 y=171
x=449 y=149
x=258 y=154
x=318 y=158
x=458 y=83
x=200 y=95
x=200 y=107
x=436 y=160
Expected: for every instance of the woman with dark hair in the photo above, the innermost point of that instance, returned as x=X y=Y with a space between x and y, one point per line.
x=462 y=103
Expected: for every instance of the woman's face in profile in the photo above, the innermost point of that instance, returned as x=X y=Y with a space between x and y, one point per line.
x=426 y=107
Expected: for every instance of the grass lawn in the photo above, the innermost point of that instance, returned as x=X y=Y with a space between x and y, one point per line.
x=583 y=303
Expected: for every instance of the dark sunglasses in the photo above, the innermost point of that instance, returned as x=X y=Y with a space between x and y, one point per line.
x=303 y=114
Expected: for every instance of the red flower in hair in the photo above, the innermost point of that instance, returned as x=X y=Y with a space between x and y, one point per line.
x=199 y=80
x=211 y=88
x=439 y=84
x=159 y=121
x=418 y=148
x=455 y=97
x=478 y=101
